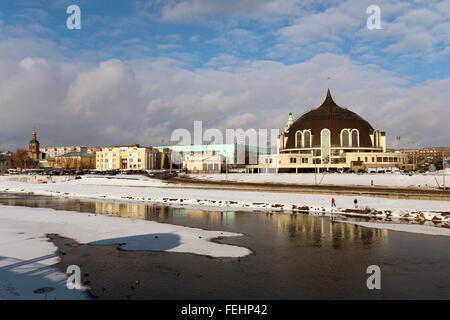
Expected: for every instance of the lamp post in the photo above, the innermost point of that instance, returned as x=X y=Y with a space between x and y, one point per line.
x=315 y=171
x=226 y=168
x=278 y=159
x=443 y=168
x=315 y=167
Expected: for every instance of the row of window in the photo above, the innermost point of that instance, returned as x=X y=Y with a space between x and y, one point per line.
x=303 y=139
x=130 y=166
x=366 y=159
x=303 y=160
x=349 y=138
x=210 y=166
x=114 y=160
x=345 y=138
x=138 y=154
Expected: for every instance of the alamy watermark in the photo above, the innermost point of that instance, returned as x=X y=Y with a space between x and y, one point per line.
x=374 y=20
x=251 y=140
x=374 y=281
x=74 y=20
x=74 y=279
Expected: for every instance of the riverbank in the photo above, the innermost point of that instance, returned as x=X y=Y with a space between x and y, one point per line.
x=294 y=257
x=28 y=259
x=41 y=236
x=147 y=190
x=429 y=180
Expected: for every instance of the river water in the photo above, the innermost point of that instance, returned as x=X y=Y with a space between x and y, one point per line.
x=294 y=257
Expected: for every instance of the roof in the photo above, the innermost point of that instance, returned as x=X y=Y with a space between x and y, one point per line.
x=333 y=117
x=126 y=146
x=329 y=110
x=76 y=154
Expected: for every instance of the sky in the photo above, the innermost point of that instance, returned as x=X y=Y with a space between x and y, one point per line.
x=139 y=69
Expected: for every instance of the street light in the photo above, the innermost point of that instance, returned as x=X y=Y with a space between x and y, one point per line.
x=226 y=168
x=170 y=160
x=443 y=168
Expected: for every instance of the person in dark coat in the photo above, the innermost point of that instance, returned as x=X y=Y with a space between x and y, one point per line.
x=356 y=203
x=333 y=203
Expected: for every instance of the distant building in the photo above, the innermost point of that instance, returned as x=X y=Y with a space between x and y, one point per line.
x=234 y=155
x=34 y=148
x=329 y=138
x=93 y=149
x=204 y=163
x=431 y=153
x=5 y=161
x=53 y=152
x=75 y=160
x=131 y=157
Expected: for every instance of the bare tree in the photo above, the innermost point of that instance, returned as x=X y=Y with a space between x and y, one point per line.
x=20 y=159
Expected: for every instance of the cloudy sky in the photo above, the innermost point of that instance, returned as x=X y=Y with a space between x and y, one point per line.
x=139 y=69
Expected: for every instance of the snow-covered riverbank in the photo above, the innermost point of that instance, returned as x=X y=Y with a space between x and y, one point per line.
x=426 y=180
x=139 y=188
x=27 y=257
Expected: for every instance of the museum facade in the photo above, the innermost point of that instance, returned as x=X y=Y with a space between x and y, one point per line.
x=330 y=138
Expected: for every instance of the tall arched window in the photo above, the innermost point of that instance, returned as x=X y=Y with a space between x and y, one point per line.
x=355 y=138
x=345 y=138
x=307 y=138
x=325 y=144
x=298 y=139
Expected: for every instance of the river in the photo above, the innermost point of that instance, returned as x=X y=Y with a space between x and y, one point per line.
x=295 y=256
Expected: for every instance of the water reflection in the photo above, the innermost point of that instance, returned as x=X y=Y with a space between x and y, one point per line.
x=287 y=262
x=316 y=231
x=321 y=231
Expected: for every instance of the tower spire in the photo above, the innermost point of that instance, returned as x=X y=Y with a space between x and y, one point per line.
x=289 y=122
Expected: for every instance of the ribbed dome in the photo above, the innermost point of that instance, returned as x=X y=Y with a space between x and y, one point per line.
x=333 y=117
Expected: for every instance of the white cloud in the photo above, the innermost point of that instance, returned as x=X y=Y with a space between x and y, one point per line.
x=142 y=101
x=107 y=87
x=416 y=30
x=238 y=40
x=194 y=10
x=328 y=25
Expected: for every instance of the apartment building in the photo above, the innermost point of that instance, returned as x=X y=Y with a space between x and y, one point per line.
x=131 y=157
x=53 y=152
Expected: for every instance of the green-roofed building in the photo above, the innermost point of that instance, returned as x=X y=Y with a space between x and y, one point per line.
x=33 y=147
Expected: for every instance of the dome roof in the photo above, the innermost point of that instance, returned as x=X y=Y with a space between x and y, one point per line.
x=333 y=117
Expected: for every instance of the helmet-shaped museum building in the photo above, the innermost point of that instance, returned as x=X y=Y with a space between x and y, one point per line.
x=330 y=137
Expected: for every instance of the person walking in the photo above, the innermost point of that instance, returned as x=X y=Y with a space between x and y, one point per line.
x=356 y=203
x=333 y=203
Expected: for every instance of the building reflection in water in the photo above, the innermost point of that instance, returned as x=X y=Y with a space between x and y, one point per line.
x=179 y=216
x=316 y=231
x=323 y=232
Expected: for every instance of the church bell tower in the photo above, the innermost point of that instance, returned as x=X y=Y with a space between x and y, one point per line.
x=33 y=147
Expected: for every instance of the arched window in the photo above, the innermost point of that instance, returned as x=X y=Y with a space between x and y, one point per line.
x=355 y=138
x=307 y=138
x=345 y=141
x=298 y=139
x=325 y=144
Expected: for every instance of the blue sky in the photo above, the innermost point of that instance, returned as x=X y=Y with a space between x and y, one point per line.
x=138 y=29
x=211 y=57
